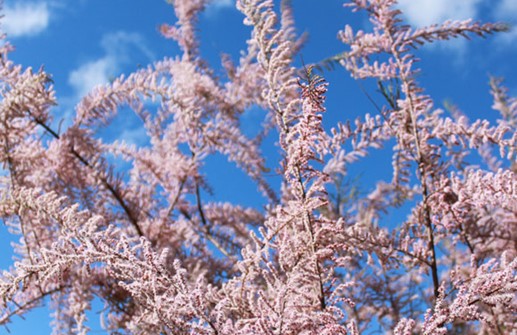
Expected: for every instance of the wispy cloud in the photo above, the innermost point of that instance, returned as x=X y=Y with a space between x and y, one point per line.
x=117 y=50
x=215 y=6
x=222 y=3
x=93 y=73
x=135 y=135
x=421 y=13
x=506 y=11
x=426 y=12
x=25 y=19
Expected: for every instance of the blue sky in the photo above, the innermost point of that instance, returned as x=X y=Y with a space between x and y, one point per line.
x=83 y=43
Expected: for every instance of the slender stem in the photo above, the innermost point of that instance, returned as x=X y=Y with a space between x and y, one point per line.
x=309 y=228
x=421 y=164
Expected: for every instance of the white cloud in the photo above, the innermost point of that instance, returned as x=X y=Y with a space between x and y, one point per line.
x=422 y=13
x=426 y=12
x=117 y=47
x=25 y=19
x=91 y=74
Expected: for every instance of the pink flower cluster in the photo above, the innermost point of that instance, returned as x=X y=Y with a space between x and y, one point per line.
x=166 y=261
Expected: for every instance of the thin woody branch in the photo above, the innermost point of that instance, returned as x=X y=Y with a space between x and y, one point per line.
x=133 y=217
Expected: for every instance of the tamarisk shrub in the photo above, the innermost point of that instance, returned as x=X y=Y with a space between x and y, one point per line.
x=166 y=261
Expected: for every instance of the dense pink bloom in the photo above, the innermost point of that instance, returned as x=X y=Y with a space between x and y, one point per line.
x=164 y=260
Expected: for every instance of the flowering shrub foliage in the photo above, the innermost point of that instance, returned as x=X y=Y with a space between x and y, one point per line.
x=166 y=261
